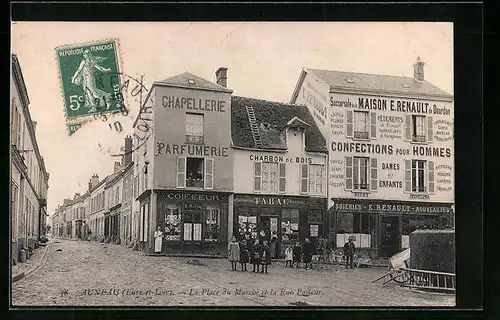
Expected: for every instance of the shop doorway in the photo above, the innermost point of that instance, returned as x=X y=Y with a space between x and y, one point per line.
x=389 y=244
x=270 y=226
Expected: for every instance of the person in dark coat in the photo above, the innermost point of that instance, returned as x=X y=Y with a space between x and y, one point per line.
x=266 y=256
x=297 y=254
x=349 y=250
x=256 y=255
x=307 y=252
x=244 y=255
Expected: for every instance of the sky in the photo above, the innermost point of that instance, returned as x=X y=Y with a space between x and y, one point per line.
x=264 y=61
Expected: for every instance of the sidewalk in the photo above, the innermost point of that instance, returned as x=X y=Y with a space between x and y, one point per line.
x=20 y=270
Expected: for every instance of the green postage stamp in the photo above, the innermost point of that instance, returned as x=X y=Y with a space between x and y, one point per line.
x=90 y=81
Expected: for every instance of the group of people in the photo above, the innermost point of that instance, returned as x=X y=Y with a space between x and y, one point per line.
x=257 y=254
x=253 y=252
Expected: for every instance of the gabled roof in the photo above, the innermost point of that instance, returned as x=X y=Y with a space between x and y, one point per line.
x=272 y=119
x=374 y=83
x=190 y=81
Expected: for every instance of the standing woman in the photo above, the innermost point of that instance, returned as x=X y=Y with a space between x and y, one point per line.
x=244 y=255
x=266 y=256
x=274 y=239
x=308 y=252
x=256 y=257
x=233 y=249
x=158 y=235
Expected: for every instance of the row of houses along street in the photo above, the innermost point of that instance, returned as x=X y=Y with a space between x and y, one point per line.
x=351 y=154
x=29 y=177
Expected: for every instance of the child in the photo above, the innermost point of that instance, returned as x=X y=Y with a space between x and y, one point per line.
x=244 y=255
x=289 y=256
x=297 y=254
x=233 y=249
x=266 y=257
x=256 y=255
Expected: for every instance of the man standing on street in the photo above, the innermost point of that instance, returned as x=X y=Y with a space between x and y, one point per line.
x=349 y=249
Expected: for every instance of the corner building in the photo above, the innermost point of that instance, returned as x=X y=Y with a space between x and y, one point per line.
x=280 y=161
x=184 y=165
x=391 y=154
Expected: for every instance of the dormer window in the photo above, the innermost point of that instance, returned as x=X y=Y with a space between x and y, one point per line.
x=191 y=81
x=405 y=85
x=349 y=81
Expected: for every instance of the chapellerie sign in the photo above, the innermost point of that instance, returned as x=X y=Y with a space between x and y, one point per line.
x=390 y=207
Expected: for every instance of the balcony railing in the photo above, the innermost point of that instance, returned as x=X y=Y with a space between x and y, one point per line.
x=418 y=138
x=361 y=135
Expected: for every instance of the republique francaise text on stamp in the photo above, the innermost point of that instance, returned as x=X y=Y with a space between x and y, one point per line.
x=89 y=82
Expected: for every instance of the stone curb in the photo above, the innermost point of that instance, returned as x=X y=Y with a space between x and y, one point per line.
x=34 y=268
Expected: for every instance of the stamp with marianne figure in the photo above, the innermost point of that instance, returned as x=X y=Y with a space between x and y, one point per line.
x=83 y=71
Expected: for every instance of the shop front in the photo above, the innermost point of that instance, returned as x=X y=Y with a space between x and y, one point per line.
x=193 y=222
x=289 y=218
x=382 y=228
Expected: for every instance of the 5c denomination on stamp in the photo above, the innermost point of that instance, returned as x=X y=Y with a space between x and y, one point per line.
x=84 y=92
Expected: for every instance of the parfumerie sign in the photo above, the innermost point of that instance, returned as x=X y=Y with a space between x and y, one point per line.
x=190 y=150
x=194 y=104
x=377 y=207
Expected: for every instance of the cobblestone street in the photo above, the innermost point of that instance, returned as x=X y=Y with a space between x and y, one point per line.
x=92 y=274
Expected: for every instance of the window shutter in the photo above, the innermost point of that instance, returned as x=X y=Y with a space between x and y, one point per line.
x=282 y=177
x=209 y=173
x=431 y=176
x=373 y=174
x=349 y=122
x=304 y=175
x=407 y=176
x=181 y=172
x=430 y=136
x=348 y=173
x=373 y=125
x=146 y=222
x=141 y=224
x=408 y=127
x=257 y=176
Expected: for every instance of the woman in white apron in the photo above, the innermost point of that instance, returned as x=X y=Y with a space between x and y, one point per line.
x=158 y=235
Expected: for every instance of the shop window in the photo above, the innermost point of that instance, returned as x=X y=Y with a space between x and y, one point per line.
x=172 y=216
x=316 y=175
x=290 y=224
x=192 y=223
x=247 y=222
x=212 y=223
x=315 y=216
x=194 y=128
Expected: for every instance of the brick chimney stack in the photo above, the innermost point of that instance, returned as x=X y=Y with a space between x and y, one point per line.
x=127 y=155
x=117 y=166
x=76 y=196
x=221 y=76
x=418 y=70
x=94 y=180
x=90 y=185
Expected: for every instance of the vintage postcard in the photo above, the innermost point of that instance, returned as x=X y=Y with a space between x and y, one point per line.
x=232 y=164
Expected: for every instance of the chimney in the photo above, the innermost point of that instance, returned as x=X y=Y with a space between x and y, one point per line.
x=117 y=167
x=221 y=76
x=76 y=196
x=127 y=157
x=418 y=70
x=90 y=185
x=94 y=180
